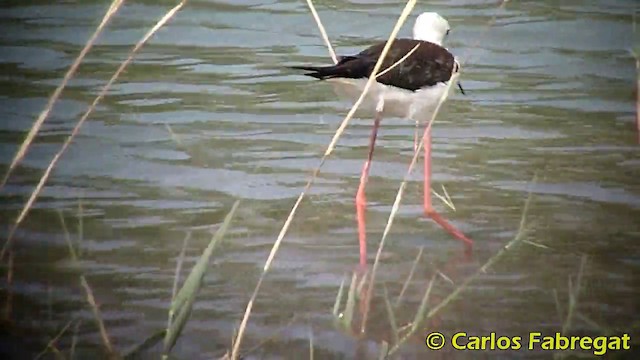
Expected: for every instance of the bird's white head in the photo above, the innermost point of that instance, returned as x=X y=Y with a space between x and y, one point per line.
x=431 y=27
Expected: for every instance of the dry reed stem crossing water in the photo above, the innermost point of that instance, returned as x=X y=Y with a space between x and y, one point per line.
x=90 y=298
x=403 y=16
x=51 y=345
x=24 y=147
x=408 y=7
x=322 y=30
x=85 y=116
x=454 y=294
x=237 y=340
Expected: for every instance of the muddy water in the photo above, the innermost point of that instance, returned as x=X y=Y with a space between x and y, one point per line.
x=550 y=91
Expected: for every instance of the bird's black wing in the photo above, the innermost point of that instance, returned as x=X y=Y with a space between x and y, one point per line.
x=428 y=65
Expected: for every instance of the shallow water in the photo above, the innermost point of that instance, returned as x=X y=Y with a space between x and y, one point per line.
x=550 y=91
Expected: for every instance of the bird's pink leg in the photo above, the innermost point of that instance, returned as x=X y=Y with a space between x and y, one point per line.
x=361 y=200
x=429 y=211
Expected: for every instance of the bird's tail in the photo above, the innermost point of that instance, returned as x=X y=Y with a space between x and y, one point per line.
x=319 y=72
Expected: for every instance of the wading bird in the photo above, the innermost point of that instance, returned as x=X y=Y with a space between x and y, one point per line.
x=411 y=90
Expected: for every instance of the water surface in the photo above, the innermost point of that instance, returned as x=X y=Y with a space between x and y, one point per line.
x=550 y=91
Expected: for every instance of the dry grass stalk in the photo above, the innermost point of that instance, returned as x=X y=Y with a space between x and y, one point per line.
x=84 y=117
x=403 y=16
x=446 y=199
x=323 y=32
x=179 y=263
x=311 y=344
x=97 y=315
x=274 y=335
x=559 y=309
x=74 y=339
x=405 y=286
x=51 y=345
x=574 y=294
x=113 y=8
x=399 y=61
x=178 y=271
x=91 y=300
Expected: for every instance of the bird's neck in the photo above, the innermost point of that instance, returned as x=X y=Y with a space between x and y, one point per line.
x=429 y=37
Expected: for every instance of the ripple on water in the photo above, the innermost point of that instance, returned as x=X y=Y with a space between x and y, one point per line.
x=549 y=92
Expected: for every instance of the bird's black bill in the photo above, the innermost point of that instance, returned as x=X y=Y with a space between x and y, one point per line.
x=461 y=89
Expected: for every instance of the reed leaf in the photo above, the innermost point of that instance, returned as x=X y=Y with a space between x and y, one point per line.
x=194 y=280
x=336 y=305
x=148 y=343
x=183 y=302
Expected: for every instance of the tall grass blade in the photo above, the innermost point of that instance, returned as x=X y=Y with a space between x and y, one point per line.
x=89 y=295
x=274 y=335
x=148 y=343
x=67 y=237
x=97 y=316
x=559 y=310
x=36 y=192
x=176 y=278
x=311 y=344
x=407 y=281
x=24 y=147
x=276 y=246
x=336 y=305
x=323 y=32
x=601 y=329
x=574 y=294
x=398 y=62
x=423 y=305
x=349 y=309
x=74 y=340
x=384 y=350
x=178 y=323
x=194 y=279
x=182 y=304
x=392 y=316
x=52 y=342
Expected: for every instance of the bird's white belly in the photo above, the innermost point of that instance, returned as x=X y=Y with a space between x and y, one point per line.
x=401 y=103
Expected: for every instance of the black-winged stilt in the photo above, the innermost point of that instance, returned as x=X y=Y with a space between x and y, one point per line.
x=412 y=90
